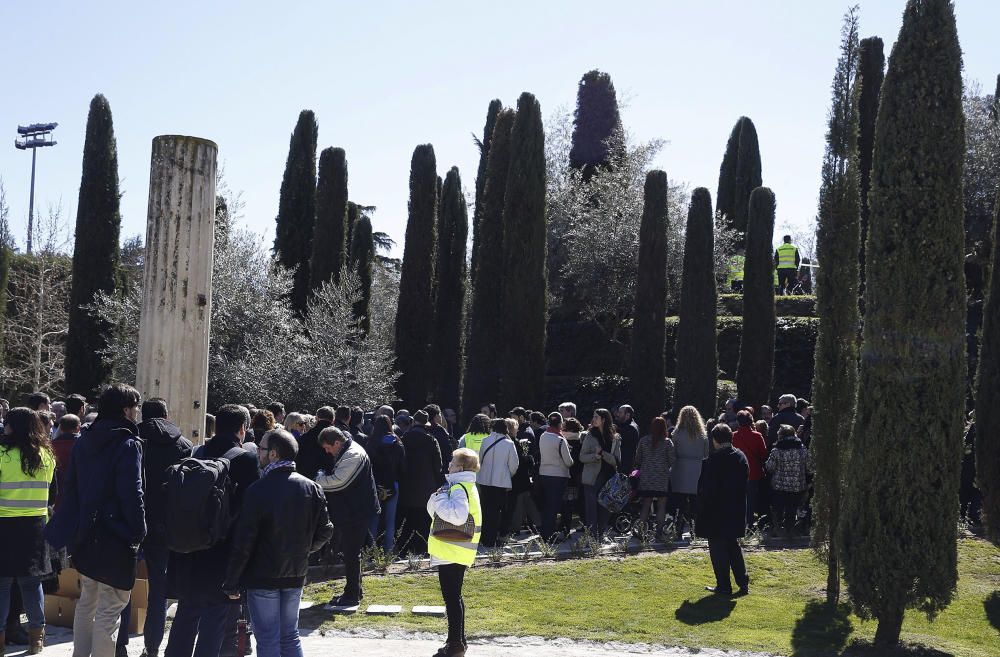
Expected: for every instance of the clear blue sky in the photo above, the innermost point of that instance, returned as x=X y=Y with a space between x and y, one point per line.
x=386 y=76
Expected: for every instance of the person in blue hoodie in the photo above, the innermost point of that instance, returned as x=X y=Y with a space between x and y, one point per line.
x=102 y=518
x=388 y=458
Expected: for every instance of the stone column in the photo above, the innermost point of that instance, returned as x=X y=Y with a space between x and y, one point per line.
x=177 y=280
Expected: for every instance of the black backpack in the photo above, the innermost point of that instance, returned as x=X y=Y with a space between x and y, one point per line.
x=197 y=502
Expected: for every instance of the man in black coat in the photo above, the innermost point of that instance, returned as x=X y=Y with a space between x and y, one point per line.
x=203 y=609
x=786 y=415
x=629 y=432
x=284 y=519
x=311 y=458
x=422 y=477
x=446 y=443
x=162 y=446
x=722 y=500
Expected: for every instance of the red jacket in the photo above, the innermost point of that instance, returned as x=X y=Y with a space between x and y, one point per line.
x=752 y=445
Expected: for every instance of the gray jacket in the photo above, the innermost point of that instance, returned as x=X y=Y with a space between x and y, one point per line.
x=499 y=461
x=592 y=462
x=691 y=451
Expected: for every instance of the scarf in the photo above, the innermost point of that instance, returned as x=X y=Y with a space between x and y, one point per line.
x=279 y=465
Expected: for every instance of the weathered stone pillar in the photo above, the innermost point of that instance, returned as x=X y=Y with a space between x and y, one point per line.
x=177 y=280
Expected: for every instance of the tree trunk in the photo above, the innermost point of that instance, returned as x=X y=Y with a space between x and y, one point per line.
x=832 y=575
x=890 y=624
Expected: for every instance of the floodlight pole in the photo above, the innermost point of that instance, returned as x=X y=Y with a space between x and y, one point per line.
x=31 y=200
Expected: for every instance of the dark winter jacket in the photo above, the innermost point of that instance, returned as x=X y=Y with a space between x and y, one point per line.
x=350 y=487
x=785 y=416
x=722 y=494
x=787 y=465
x=284 y=520
x=62 y=448
x=162 y=446
x=104 y=484
x=199 y=576
x=630 y=443
x=445 y=443
x=311 y=457
x=521 y=481
x=388 y=457
x=423 y=468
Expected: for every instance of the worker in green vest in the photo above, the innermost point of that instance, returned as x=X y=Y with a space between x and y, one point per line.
x=27 y=466
x=457 y=520
x=479 y=430
x=736 y=266
x=786 y=261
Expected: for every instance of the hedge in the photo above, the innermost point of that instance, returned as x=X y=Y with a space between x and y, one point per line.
x=803 y=305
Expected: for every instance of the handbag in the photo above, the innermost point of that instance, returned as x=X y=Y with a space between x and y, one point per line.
x=616 y=493
x=445 y=531
x=103 y=555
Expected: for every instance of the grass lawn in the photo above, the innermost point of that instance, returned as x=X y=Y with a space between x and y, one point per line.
x=660 y=599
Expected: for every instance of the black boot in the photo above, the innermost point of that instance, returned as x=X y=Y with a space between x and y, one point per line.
x=16 y=635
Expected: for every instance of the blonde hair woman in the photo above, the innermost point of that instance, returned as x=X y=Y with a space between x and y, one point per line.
x=296 y=424
x=691 y=446
x=454 y=503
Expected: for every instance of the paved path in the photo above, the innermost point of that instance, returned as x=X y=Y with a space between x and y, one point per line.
x=372 y=644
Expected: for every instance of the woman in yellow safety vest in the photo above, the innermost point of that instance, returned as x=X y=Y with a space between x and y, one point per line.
x=27 y=467
x=479 y=430
x=455 y=503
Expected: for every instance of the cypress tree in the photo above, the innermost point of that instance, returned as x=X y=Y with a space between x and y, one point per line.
x=647 y=375
x=988 y=395
x=900 y=517
x=739 y=175
x=871 y=72
x=416 y=282
x=95 y=254
x=484 y=154
x=449 y=313
x=297 y=207
x=525 y=289
x=353 y=213
x=329 y=243
x=837 y=234
x=486 y=314
x=362 y=259
x=755 y=369
x=597 y=124
x=6 y=254
x=697 y=358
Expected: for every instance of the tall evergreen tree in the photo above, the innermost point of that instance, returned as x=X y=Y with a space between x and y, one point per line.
x=353 y=214
x=988 y=395
x=481 y=381
x=908 y=453
x=525 y=289
x=297 y=207
x=755 y=369
x=697 y=357
x=329 y=243
x=362 y=260
x=739 y=175
x=6 y=254
x=447 y=353
x=837 y=234
x=95 y=254
x=597 y=124
x=871 y=72
x=416 y=283
x=484 y=154
x=647 y=375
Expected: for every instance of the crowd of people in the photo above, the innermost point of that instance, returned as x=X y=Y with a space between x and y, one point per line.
x=106 y=485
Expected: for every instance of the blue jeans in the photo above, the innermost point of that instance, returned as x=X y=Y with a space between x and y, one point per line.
x=552 y=492
x=274 y=614
x=155 y=557
x=597 y=515
x=32 y=596
x=388 y=517
x=207 y=622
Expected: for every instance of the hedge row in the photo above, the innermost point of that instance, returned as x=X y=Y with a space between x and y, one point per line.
x=785 y=306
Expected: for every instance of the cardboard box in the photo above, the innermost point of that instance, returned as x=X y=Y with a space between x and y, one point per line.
x=140 y=594
x=69 y=583
x=59 y=610
x=137 y=621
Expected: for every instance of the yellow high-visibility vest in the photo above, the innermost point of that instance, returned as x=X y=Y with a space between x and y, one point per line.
x=474 y=441
x=786 y=256
x=460 y=553
x=22 y=495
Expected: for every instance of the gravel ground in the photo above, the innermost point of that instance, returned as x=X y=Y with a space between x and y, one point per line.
x=371 y=644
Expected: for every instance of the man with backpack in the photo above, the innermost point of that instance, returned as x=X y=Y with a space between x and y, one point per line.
x=284 y=520
x=197 y=575
x=162 y=446
x=102 y=519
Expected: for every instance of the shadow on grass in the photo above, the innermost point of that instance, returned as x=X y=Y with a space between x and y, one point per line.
x=992 y=606
x=861 y=648
x=822 y=630
x=710 y=609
